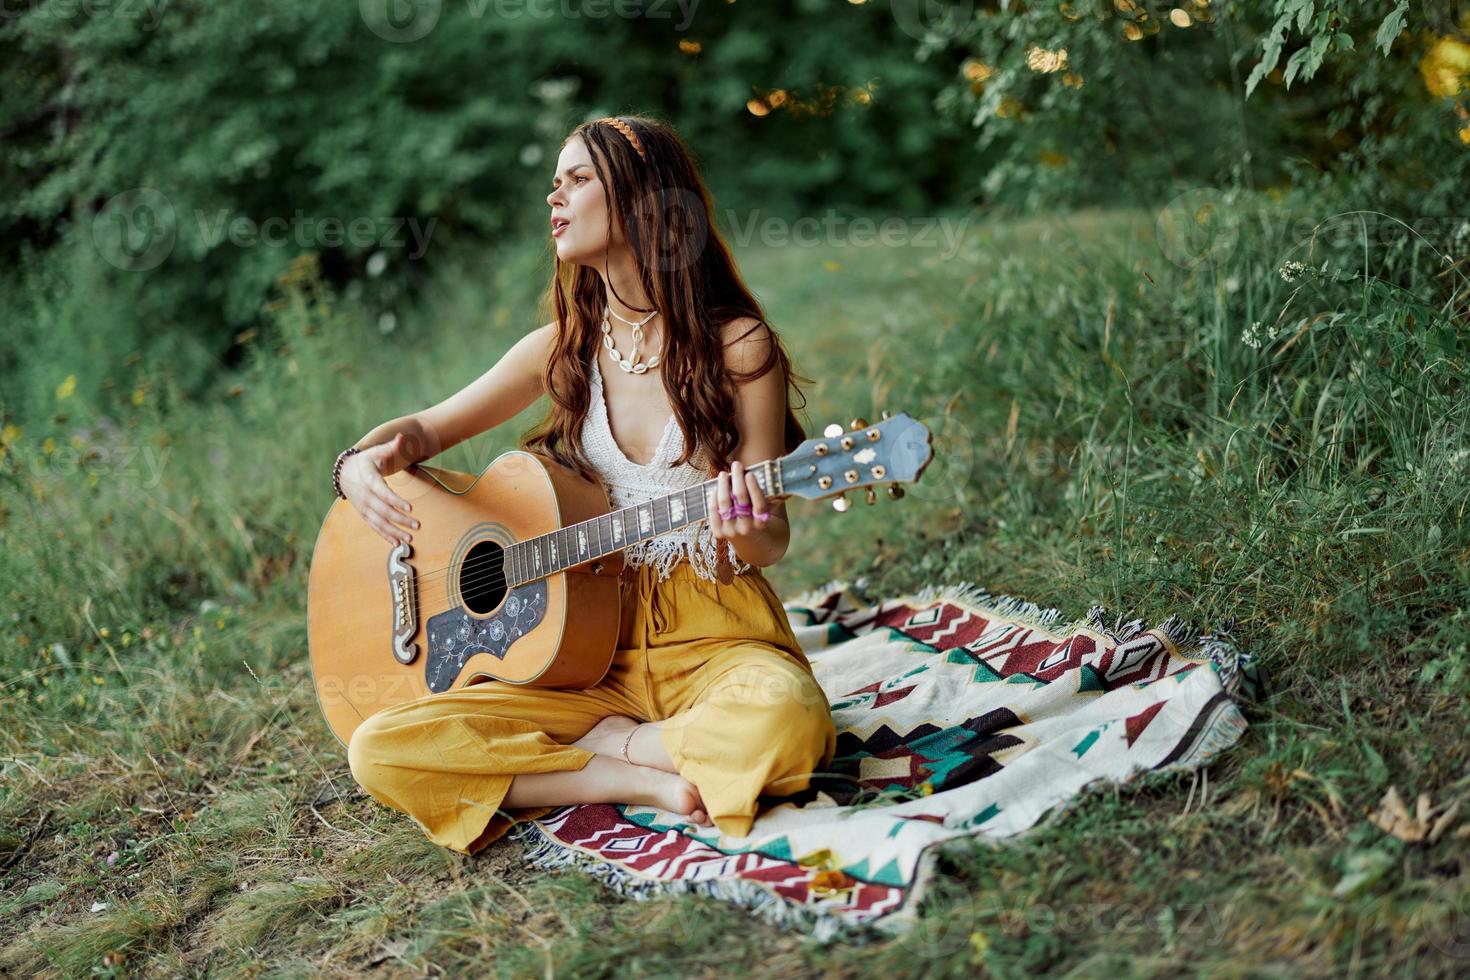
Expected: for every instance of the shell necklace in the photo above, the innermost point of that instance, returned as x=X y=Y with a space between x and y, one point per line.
x=631 y=364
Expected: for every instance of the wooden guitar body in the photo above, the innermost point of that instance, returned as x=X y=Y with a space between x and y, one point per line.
x=443 y=602
x=514 y=575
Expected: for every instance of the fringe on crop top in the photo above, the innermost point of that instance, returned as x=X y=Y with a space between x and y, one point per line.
x=629 y=483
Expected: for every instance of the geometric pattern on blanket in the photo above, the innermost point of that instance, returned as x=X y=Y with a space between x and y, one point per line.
x=960 y=715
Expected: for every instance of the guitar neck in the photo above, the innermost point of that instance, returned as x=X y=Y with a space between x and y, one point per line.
x=547 y=554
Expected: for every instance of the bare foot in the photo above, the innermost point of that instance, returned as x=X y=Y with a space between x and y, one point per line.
x=672 y=792
x=605 y=780
x=608 y=735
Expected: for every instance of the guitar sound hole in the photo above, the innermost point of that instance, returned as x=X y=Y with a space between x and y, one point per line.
x=482 y=577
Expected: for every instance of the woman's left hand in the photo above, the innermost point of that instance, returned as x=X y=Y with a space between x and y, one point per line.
x=737 y=489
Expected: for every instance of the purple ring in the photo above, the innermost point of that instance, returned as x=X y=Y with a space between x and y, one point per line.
x=742 y=510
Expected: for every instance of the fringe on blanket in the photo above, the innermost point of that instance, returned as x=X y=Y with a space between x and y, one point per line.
x=543 y=852
x=547 y=854
x=1218 y=646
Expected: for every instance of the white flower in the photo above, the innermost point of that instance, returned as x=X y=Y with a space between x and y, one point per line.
x=1291 y=269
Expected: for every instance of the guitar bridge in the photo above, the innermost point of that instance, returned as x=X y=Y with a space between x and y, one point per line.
x=404 y=586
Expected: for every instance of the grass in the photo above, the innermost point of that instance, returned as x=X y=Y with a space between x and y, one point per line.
x=1103 y=434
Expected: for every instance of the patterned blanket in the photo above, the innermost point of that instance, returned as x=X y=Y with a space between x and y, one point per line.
x=960 y=715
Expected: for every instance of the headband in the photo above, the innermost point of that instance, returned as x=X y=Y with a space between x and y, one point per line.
x=627 y=131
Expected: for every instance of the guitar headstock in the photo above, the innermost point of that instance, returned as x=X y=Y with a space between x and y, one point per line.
x=894 y=451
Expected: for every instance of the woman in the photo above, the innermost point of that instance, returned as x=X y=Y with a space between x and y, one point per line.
x=709 y=701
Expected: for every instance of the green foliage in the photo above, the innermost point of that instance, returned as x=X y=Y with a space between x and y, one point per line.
x=162 y=169
x=181 y=156
x=1089 y=103
x=1320 y=30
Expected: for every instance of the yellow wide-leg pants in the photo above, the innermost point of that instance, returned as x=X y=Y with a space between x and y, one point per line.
x=717 y=664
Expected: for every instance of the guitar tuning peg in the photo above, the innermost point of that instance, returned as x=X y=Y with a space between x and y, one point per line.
x=840 y=503
x=870 y=495
x=833 y=431
x=894 y=491
x=858 y=423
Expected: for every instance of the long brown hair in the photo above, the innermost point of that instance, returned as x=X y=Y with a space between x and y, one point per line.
x=665 y=211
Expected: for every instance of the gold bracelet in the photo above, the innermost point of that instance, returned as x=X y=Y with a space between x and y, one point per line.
x=629 y=741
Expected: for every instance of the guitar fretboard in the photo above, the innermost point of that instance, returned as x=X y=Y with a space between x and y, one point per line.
x=547 y=554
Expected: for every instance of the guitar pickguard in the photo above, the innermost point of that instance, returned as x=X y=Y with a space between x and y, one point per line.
x=455 y=635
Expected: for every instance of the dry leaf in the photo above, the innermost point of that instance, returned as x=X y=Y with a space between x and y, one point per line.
x=1443 y=823
x=1422 y=826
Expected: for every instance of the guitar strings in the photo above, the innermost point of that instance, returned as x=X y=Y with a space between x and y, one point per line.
x=489 y=572
x=437 y=574
x=492 y=578
x=432 y=575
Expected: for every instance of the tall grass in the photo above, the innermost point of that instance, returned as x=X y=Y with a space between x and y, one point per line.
x=1111 y=426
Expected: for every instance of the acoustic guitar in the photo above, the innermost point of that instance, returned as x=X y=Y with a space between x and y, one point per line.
x=513 y=575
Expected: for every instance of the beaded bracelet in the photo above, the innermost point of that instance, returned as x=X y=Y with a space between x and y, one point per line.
x=337 y=470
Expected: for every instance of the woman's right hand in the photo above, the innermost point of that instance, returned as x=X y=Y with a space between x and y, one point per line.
x=363 y=484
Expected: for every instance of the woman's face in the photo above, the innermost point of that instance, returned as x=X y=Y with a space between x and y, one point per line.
x=576 y=195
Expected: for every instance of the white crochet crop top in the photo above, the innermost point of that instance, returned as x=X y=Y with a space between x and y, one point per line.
x=630 y=483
